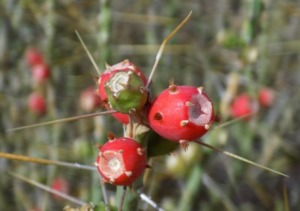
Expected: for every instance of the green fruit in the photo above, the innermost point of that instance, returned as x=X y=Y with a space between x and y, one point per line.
x=126 y=92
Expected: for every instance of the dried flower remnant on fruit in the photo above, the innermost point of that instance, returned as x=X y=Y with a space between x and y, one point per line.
x=126 y=92
x=124 y=66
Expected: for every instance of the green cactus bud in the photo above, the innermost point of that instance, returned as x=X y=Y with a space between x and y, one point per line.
x=126 y=92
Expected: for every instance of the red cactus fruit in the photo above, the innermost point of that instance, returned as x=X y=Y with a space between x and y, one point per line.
x=37 y=104
x=40 y=73
x=266 y=97
x=242 y=105
x=181 y=113
x=126 y=92
x=61 y=185
x=121 y=161
x=125 y=65
x=89 y=100
x=33 y=57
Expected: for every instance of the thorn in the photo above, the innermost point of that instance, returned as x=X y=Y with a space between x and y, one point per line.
x=207 y=126
x=188 y=103
x=140 y=151
x=132 y=111
x=108 y=67
x=110 y=136
x=96 y=79
x=128 y=173
x=184 y=123
x=111 y=180
x=184 y=144
x=172 y=86
x=131 y=67
x=142 y=89
x=125 y=86
x=115 y=96
x=126 y=61
x=162 y=46
x=200 y=89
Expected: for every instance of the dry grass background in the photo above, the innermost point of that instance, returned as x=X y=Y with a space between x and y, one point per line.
x=256 y=41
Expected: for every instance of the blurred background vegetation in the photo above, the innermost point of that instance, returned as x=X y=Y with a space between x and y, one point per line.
x=228 y=46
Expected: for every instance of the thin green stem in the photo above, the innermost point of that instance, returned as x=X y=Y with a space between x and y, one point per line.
x=122 y=199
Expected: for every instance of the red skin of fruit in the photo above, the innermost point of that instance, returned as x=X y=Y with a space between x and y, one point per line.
x=33 y=57
x=122 y=118
x=89 y=100
x=37 y=104
x=40 y=73
x=129 y=158
x=106 y=76
x=170 y=108
x=241 y=106
x=266 y=97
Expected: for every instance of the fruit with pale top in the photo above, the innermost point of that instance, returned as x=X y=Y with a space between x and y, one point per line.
x=121 y=161
x=181 y=113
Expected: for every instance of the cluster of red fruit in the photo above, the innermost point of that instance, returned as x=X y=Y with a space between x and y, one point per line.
x=40 y=74
x=179 y=114
x=244 y=105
